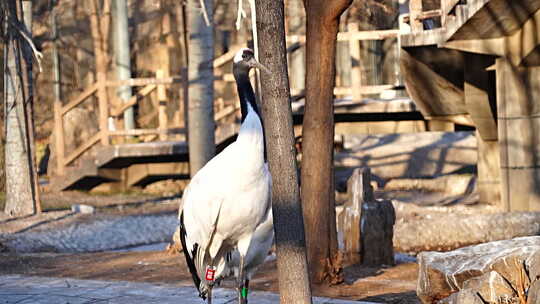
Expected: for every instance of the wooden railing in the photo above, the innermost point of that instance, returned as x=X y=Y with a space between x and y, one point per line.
x=415 y=18
x=224 y=109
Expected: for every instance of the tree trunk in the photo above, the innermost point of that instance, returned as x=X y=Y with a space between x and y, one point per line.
x=318 y=140
x=20 y=192
x=296 y=25
x=122 y=58
x=201 y=86
x=288 y=224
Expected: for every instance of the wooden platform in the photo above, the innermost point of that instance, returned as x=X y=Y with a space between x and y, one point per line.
x=478 y=61
x=139 y=164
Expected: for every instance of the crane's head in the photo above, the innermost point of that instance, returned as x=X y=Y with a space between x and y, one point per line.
x=244 y=60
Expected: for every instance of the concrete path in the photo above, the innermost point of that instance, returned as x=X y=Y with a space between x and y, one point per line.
x=36 y=290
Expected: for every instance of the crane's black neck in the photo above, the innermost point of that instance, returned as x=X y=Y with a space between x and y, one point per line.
x=245 y=91
x=247 y=96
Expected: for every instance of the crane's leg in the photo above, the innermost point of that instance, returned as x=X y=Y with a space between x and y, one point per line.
x=242 y=295
x=246 y=288
x=209 y=295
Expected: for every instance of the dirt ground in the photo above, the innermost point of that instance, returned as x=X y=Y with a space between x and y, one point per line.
x=395 y=285
x=381 y=285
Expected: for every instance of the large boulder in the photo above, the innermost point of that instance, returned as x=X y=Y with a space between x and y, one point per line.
x=495 y=272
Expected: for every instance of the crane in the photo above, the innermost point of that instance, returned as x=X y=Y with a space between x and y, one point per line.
x=230 y=197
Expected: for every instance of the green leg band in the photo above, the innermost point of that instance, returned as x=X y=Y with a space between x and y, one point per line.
x=244 y=292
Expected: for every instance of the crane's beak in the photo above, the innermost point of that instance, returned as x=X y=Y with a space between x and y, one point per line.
x=254 y=63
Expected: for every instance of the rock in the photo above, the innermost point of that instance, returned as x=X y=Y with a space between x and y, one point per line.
x=443 y=273
x=492 y=287
x=377 y=231
x=466 y=296
x=462 y=230
x=84 y=209
x=366 y=225
x=534 y=293
x=166 y=187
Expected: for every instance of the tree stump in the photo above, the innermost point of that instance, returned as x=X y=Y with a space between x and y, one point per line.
x=367 y=224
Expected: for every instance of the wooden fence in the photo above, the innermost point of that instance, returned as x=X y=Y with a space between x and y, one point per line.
x=114 y=109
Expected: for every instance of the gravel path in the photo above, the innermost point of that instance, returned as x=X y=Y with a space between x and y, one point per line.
x=108 y=233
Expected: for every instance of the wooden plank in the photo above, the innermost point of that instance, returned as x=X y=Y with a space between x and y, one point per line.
x=356 y=69
x=373 y=89
x=346 y=36
x=228 y=110
x=79 y=99
x=140 y=132
x=477 y=95
x=82 y=148
x=137 y=82
x=133 y=100
x=415 y=9
x=489 y=172
x=59 y=147
x=461 y=119
x=223 y=59
x=162 y=105
x=494 y=46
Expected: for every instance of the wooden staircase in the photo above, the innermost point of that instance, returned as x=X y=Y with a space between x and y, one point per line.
x=134 y=165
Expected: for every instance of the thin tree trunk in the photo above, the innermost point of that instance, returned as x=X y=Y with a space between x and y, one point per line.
x=296 y=25
x=318 y=140
x=201 y=86
x=20 y=199
x=288 y=224
x=99 y=27
x=122 y=57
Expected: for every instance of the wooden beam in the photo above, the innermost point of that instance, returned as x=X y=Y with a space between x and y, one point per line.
x=134 y=82
x=415 y=9
x=374 y=89
x=59 y=147
x=162 y=105
x=140 y=132
x=228 y=110
x=346 y=36
x=356 y=69
x=82 y=148
x=79 y=99
x=133 y=100
x=493 y=46
x=223 y=59
x=461 y=119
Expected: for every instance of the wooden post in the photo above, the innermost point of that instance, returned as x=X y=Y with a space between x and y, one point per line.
x=415 y=10
x=59 y=137
x=356 y=69
x=101 y=69
x=358 y=188
x=162 y=106
x=517 y=101
x=479 y=98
